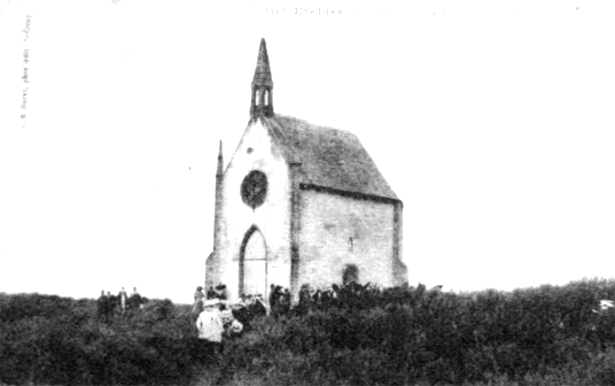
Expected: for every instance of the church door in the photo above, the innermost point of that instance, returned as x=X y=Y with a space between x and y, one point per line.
x=253 y=269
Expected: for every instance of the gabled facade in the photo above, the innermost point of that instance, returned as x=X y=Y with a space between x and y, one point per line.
x=301 y=204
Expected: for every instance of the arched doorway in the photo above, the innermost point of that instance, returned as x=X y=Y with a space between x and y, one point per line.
x=253 y=264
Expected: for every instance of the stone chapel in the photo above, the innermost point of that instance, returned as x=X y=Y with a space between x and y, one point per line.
x=301 y=204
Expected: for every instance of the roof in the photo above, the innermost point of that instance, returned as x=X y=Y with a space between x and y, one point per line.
x=329 y=158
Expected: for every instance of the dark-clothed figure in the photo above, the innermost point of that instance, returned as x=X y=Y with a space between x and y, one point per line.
x=199 y=298
x=211 y=294
x=275 y=301
x=285 y=302
x=220 y=291
x=112 y=302
x=102 y=307
x=135 y=301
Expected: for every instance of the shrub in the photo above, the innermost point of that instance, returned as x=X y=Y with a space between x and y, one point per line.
x=344 y=336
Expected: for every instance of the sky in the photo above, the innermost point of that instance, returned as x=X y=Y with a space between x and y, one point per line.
x=492 y=121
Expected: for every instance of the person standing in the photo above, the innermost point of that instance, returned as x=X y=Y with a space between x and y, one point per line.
x=135 y=301
x=210 y=328
x=122 y=298
x=199 y=298
x=220 y=291
x=112 y=302
x=275 y=301
x=102 y=307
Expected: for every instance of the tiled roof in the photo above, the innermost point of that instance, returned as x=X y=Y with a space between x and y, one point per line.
x=329 y=158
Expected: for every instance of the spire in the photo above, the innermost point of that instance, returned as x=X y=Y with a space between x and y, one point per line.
x=211 y=264
x=262 y=85
x=262 y=75
x=220 y=171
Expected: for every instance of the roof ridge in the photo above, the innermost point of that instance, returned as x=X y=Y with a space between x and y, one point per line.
x=315 y=125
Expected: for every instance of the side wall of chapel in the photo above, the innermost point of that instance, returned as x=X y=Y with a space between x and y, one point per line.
x=338 y=231
x=256 y=151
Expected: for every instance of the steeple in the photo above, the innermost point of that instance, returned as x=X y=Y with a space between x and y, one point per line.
x=218 y=203
x=211 y=264
x=219 y=171
x=262 y=85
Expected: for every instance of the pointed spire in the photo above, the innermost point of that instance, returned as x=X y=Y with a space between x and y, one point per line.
x=262 y=75
x=220 y=171
x=262 y=86
x=218 y=203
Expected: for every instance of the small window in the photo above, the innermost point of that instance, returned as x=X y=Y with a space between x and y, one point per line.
x=266 y=98
x=350 y=275
x=257 y=96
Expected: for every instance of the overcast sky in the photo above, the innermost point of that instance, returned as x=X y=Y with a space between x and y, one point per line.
x=494 y=124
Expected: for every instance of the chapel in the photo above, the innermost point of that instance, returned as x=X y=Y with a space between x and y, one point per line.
x=300 y=204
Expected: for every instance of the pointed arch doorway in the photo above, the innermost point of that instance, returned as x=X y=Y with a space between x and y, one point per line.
x=253 y=264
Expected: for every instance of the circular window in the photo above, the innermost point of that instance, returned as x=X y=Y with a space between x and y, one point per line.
x=254 y=189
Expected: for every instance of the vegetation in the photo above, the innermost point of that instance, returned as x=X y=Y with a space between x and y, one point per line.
x=356 y=335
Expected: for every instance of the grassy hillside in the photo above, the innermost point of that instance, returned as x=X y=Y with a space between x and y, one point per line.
x=351 y=336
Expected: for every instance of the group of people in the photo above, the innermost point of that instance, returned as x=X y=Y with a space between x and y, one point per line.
x=217 y=320
x=217 y=292
x=216 y=316
x=107 y=304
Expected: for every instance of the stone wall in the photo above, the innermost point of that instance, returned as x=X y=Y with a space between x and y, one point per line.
x=337 y=231
x=256 y=151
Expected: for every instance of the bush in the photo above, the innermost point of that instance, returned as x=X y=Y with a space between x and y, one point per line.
x=67 y=344
x=344 y=336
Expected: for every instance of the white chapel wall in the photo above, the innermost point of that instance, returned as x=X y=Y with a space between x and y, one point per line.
x=336 y=231
x=256 y=151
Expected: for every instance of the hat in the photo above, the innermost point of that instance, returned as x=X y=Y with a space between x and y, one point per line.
x=199 y=288
x=238 y=303
x=210 y=303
